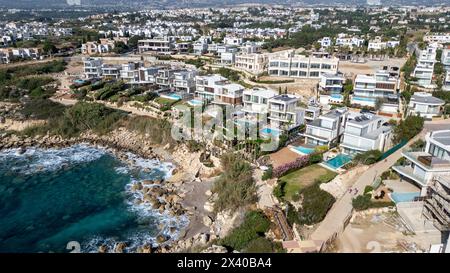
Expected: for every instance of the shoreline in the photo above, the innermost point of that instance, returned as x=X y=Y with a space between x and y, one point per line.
x=175 y=187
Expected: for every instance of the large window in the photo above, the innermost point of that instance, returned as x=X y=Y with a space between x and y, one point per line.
x=438 y=152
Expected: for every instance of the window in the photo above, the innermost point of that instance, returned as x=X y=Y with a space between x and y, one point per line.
x=314 y=74
x=294 y=65
x=314 y=65
x=294 y=73
x=284 y=64
x=264 y=101
x=302 y=73
x=326 y=66
x=303 y=65
x=274 y=64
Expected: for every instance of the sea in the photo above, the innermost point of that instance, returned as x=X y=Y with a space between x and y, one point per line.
x=76 y=199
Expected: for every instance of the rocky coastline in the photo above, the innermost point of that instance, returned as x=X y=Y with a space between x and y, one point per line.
x=165 y=196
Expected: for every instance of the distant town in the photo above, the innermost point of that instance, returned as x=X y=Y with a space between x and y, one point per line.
x=356 y=100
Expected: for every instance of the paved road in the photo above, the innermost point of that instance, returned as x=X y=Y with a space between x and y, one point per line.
x=334 y=222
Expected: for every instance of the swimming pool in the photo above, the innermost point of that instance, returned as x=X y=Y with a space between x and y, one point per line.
x=302 y=150
x=404 y=196
x=195 y=102
x=270 y=131
x=79 y=81
x=363 y=99
x=171 y=96
x=338 y=161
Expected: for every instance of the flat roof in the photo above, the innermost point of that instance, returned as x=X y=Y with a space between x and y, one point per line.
x=442 y=137
x=422 y=97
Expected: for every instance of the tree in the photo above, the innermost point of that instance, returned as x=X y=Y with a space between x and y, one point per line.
x=408 y=128
x=49 y=47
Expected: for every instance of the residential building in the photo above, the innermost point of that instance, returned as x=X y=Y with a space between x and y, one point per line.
x=312 y=112
x=164 y=45
x=184 y=81
x=256 y=100
x=227 y=58
x=233 y=41
x=380 y=86
x=446 y=82
x=425 y=105
x=254 y=63
x=228 y=94
x=325 y=42
x=425 y=66
x=284 y=112
x=327 y=129
x=92 y=68
x=130 y=73
x=365 y=132
x=290 y=65
x=205 y=86
x=93 y=48
x=378 y=44
x=421 y=166
x=111 y=71
x=344 y=40
x=440 y=38
x=331 y=88
x=445 y=57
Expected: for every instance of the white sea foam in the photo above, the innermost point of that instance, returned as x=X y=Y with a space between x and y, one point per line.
x=37 y=160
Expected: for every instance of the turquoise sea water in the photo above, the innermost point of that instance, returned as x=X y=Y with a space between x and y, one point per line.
x=51 y=197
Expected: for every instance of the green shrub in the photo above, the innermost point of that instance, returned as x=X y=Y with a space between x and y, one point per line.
x=260 y=245
x=279 y=190
x=368 y=189
x=315 y=205
x=254 y=226
x=42 y=109
x=315 y=158
x=292 y=215
x=235 y=187
x=362 y=202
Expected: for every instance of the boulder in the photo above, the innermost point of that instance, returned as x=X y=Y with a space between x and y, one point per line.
x=161 y=239
x=120 y=247
x=103 y=249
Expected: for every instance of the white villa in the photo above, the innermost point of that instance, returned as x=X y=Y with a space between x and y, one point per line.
x=425 y=105
x=326 y=129
x=432 y=161
x=383 y=85
x=365 y=132
x=330 y=88
x=425 y=66
x=284 y=113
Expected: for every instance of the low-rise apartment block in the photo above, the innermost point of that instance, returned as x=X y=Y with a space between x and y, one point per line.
x=164 y=45
x=425 y=67
x=255 y=63
x=298 y=66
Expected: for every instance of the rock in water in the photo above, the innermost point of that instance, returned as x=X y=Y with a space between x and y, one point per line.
x=161 y=239
x=120 y=247
x=103 y=249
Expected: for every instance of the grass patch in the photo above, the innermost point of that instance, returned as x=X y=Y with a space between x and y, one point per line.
x=297 y=180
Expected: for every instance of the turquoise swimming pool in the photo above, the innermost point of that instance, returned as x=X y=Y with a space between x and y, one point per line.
x=269 y=131
x=302 y=150
x=338 y=161
x=404 y=196
x=172 y=96
x=363 y=99
x=195 y=102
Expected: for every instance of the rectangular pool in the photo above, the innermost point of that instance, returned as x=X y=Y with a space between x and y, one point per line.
x=171 y=96
x=195 y=102
x=338 y=161
x=302 y=150
x=404 y=196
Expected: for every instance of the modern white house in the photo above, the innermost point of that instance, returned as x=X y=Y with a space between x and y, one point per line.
x=325 y=42
x=423 y=165
x=184 y=81
x=344 y=40
x=446 y=82
x=284 y=114
x=92 y=68
x=425 y=105
x=440 y=38
x=365 y=132
x=228 y=94
x=299 y=66
x=445 y=57
x=380 y=86
x=331 y=88
x=437 y=205
x=256 y=100
x=205 y=86
x=163 y=45
x=425 y=66
x=327 y=129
